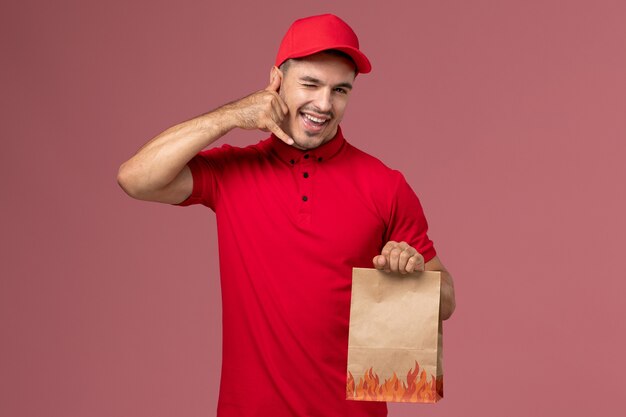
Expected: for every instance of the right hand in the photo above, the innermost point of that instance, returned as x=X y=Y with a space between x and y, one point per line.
x=264 y=110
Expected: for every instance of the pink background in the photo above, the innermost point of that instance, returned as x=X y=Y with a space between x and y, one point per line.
x=507 y=117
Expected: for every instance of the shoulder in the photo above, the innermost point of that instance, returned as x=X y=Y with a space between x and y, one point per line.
x=366 y=165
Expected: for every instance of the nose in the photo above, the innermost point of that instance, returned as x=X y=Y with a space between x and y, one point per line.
x=323 y=100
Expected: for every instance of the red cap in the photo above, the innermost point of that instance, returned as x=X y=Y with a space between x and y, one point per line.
x=314 y=34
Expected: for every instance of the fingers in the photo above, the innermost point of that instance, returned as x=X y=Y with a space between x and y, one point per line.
x=399 y=257
x=277 y=113
x=275 y=129
x=279 y=106
x=280 y=110
x=415 y=263
x=387 y=248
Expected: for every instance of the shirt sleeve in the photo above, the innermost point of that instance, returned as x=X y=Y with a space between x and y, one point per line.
x=206 y=169
x=407 y=221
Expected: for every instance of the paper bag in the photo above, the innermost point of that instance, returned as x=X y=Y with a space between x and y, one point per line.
x=395 y=346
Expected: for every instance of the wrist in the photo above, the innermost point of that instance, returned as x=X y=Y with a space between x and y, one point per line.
x=221 y=121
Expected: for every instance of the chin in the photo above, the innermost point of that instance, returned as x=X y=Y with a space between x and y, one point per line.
x=306 y=141
x=309 y=143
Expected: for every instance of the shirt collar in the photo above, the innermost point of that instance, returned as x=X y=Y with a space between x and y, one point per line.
x=292 y=155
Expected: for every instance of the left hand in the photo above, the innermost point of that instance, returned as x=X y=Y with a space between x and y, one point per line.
x=399 y=257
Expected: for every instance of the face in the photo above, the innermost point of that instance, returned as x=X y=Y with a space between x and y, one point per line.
x=316 y=90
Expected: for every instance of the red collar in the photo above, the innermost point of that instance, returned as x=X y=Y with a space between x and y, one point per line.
x=292 y=155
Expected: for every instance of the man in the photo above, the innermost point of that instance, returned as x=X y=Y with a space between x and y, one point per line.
x=295 y=213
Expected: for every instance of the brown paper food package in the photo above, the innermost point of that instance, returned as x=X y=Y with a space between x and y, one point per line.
x=395 y=340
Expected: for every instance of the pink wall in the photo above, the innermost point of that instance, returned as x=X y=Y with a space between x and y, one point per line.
x=506 y=117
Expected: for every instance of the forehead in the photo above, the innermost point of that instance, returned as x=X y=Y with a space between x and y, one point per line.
x=323 y=66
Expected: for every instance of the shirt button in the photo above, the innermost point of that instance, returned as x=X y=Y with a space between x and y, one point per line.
x=305 y=175
x=292 y=162
x=304 y=198
x=306 y=156
x=319 y=159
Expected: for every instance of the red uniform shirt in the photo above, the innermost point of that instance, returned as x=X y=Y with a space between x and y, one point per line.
x=291 y=226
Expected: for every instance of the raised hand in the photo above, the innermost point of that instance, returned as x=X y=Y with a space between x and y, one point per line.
x=263 y=110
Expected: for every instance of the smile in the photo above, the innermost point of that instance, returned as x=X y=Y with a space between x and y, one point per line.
x=314 y=121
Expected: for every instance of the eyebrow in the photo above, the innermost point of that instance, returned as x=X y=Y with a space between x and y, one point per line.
x=310 y=79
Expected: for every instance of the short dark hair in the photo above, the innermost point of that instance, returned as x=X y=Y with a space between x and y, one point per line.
x=334 y=52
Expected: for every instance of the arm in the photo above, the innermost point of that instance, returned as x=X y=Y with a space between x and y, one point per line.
x=448 y=301
x=159 y=172
x=400 y=257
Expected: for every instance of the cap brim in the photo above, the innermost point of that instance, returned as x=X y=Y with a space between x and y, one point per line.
x=363 y=65
x=361 y=61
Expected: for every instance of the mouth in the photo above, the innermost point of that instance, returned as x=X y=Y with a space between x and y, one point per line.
x=314 y=122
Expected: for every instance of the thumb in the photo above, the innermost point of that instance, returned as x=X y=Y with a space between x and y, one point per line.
x=379 y=261
x=274 y=83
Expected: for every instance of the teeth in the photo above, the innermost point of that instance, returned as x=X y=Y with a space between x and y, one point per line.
x=314 y=119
